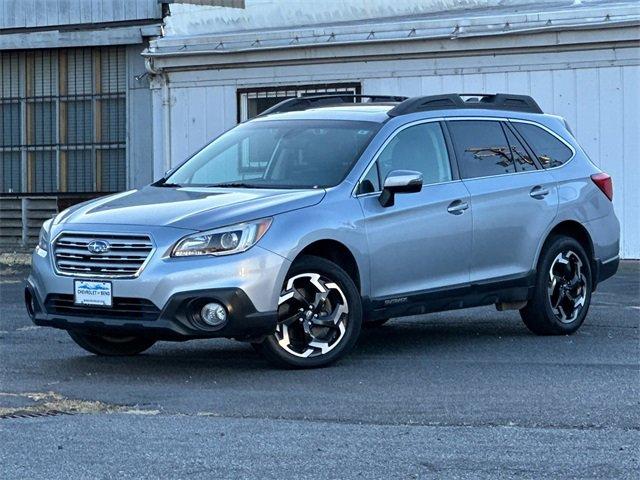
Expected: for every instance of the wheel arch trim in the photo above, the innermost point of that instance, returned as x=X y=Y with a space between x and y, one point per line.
x=338 y=253
x=574 y=229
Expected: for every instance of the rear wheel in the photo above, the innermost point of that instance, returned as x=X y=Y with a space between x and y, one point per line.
x=563 y=289
x=319 y=316
x=111 y=345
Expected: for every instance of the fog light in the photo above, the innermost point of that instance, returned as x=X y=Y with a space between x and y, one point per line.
x=213 y=314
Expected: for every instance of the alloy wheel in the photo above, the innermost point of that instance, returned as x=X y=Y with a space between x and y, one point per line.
x=567 y=289
x=312 y=315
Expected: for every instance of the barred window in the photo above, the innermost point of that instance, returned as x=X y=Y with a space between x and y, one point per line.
x=62 y=120
x=253 y=101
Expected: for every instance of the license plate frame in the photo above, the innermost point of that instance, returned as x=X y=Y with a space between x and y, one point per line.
x=93 y=293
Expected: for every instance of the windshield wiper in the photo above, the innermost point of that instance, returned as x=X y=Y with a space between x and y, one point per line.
x=168 y=185
x=235 y=185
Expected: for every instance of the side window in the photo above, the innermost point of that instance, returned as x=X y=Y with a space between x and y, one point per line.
x=371 y=181
x=481 y=148
x=550 y=151
x=421 y=148
x=522 y=159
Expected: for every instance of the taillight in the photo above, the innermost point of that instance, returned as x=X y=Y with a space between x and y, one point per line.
x=604 y=183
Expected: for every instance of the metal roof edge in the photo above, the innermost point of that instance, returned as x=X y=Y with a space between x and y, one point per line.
x=394 y=29
x=129 y=35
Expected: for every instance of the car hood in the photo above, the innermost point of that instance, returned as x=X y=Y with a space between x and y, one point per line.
x=189 y=207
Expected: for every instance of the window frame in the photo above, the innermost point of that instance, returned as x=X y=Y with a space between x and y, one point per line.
x=524 y=144
x=455 y=177
x=453 y=159
x=520 y=120
x=548 y=130
x=500 y=122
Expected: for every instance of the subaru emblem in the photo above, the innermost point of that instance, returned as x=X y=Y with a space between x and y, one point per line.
x=98 y=246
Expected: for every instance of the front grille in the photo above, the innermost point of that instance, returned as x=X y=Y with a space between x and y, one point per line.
x=125 y=257
x=122 y=309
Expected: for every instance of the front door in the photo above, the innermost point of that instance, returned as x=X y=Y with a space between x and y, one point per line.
x=423 y=241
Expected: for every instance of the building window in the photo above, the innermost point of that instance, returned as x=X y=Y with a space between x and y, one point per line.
x=62 y=120
x=253 y=101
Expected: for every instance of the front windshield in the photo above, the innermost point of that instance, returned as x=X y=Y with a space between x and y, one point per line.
x=278 y=154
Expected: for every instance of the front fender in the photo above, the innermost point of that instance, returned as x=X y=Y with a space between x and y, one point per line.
x=335 y=218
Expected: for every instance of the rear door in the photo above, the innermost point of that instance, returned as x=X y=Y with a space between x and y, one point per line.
x=513 y=201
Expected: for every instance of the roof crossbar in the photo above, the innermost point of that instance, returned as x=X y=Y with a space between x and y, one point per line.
x=304 y=103
x=498 y=101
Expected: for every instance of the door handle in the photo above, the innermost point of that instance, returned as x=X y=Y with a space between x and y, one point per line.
x=457 y=207
x=539 y=192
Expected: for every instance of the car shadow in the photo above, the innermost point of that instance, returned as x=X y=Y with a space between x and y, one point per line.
x=404 y=337
x=407 y=336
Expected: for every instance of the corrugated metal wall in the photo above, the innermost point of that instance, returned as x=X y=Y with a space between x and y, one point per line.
x=40 y=13
x=597 y=91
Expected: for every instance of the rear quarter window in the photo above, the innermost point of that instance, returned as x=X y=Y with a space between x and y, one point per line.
x=550 y=151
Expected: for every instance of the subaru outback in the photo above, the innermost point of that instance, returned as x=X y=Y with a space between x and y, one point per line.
x=329 y=213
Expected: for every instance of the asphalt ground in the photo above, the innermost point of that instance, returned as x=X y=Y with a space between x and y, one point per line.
x=463 y=394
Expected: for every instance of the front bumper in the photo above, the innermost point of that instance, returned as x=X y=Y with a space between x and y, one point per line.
x=248 y=284
x=174 y=322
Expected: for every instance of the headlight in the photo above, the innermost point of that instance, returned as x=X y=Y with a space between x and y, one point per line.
x=43 y=236
x=222 y=241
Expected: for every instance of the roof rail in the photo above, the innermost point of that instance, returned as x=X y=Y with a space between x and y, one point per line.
x=303 y=103
x=498 y=101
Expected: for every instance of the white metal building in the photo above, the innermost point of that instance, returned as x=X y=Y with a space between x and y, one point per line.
x=216 y=66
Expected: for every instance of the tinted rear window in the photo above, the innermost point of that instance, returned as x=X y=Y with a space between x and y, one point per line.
x=481 y=148
x=550 y=151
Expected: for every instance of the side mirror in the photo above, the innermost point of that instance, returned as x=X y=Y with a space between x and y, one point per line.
x=399 y=181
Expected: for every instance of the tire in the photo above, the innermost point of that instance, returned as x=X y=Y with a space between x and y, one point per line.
x=563 y=287
x=111 y=345
x=319 y=316
x=375 y=323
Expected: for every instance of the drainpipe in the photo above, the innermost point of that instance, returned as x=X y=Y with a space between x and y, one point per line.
x=166 y=105
x=166 y=111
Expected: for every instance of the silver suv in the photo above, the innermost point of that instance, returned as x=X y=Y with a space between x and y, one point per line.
x=324 y=214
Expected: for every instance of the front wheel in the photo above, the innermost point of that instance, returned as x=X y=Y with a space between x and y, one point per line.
x=563 y=289
x=111 y=345
x=319 y=316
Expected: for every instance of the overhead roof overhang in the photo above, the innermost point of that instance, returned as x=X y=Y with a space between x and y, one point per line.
x=88 y=35
x=400 y=36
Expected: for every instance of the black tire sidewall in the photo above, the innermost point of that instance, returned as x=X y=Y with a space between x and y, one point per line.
x=99 y=345
x=310 y=264
x=556 y=246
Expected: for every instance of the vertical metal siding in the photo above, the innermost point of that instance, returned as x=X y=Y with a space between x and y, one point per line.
x=630 y=180
x=199 y=115
x=40 y=13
